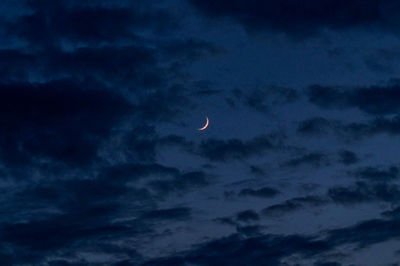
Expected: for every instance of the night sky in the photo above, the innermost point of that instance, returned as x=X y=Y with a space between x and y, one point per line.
x=102 y=162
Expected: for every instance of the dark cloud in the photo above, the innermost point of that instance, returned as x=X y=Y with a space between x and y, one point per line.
x=234 y=250
x=390 y=126
x=265 y=192
x=294 y=204
x=131 y=66
x=262 y=100
x=377 y=174
x=104 y=42
x=282 y=208
x=189 y=49
x=80 y=213
x=249 y=230
x=377 y=65
x=34 y=240
x=83 y=86
x=84 y=217
x=273 y=249
x=135 y=171
x=54 y=233
x=365 y=233
x=117 y=44
x=83 y=22
x=62 y=120
x=327 y=264
x=354 y=131
x=257 y=170
x=161 y=179
x=97 y=41
x=394 y=213
x=315 y=126
x=224 y=150
x=127 y=65
x=315 y=159
x=362 y=192
x=382 y=60
x=374 y=100
x=162 y=105
x=182 y=182
x=226 y=220
x=351 y=195
x=310 y=200
x=107 y=194
x=14 y=64
x=168 y=214
x=347 y=157
x=248 y=215
x=140 y=143
x=98 y=164
x=206 y=88
x=302 y=20
x=176 y=141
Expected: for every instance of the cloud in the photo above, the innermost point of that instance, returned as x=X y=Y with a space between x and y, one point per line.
x=365 y=233
x=83 y=22
x=302 y=20
x=34 y=240
x=327 y=264
x=235 y=250
x=180 y=183
x=114 y=187
x=353 y=131
x=382 y=60
x=44 y=235
x=347 y=157
x=248 y=215
x=128 y=65
x=64 y=215
x=374 y=100
x=315 y=126
x=265 y=192
x=135 y=171
x=82 y=91
x=394 y=213
x=294 y=204
x=89 y=96
x=117 y=45
x=168 y=214
x=77 y=213
x=263 y=99
x=190 y=49
x=390 y=126
x=226 y=220
x=362 y=192
x=124 y=65
x=162 y=105
x=74 y=215
x=377 y=174
x=62 y=120
x=236 y=149
x=249 y=230
x=275 y=249
x=315 y=159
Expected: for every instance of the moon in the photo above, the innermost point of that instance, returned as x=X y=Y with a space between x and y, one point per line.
x=205 y=126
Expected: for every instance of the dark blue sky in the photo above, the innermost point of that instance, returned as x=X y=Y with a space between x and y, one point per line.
x=101 y=162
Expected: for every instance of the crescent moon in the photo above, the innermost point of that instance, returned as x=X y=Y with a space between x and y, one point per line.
x=206 y=125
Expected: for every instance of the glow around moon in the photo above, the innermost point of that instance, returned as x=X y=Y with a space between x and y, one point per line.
x=205 y=126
